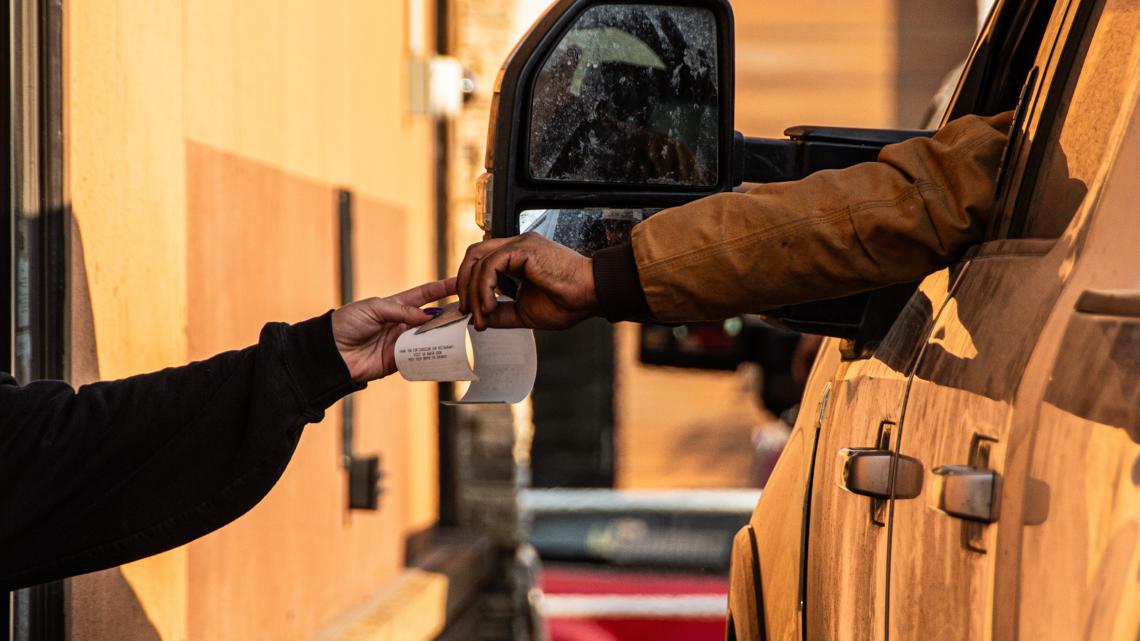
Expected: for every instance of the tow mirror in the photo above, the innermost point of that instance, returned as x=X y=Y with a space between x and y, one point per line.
x=607 y=112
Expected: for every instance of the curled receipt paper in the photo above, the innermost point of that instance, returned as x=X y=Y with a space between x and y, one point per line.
x=500 y=363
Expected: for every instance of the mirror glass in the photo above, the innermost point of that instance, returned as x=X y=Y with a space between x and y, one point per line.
x=584 y=230
x=629 y=96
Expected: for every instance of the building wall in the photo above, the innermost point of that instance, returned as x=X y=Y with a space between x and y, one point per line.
x=205 y=143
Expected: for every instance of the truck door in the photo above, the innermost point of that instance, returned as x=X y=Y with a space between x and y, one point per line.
x=953 y=561
x=842 y=592
x=859 y=466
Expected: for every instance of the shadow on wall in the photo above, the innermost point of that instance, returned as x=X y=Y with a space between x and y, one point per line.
x=103 y=606
x=82 y=350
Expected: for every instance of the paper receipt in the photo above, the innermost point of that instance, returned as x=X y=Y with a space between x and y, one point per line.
x=501 y=363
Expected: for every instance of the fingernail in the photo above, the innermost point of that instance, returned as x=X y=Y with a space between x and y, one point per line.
x=433 y=311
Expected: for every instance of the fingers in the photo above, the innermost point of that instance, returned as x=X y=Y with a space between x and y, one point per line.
x=486 y=277
x=449 y=286
x=389 y=310
x=426 y=293
x=482 y=278
x=468 y=270
x=470 y=260
x=484 y=262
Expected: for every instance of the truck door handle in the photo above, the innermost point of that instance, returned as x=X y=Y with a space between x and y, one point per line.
x=966 y=492
x=867 y=471
x=1110 y=302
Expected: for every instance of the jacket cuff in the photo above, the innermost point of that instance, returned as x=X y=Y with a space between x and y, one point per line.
x=618 y=285
x=316 y=366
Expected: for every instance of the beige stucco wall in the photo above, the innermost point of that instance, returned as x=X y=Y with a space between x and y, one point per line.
x=205 y=140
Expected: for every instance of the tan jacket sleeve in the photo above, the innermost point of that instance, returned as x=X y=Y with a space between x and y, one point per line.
x=834 y=233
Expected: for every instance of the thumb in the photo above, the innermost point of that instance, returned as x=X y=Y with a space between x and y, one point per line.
x=390 y=311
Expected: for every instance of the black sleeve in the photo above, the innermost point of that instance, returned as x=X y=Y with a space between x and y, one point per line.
x=617 y=284
x=117 y=471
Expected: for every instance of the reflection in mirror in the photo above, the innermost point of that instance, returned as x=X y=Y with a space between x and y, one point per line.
x=630 y=96
x=584 y=230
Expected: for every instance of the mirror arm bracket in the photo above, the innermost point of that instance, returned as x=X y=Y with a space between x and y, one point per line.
x=765 y=160
x=809 y=149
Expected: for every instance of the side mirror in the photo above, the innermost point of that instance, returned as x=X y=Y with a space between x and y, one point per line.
x=607 y=112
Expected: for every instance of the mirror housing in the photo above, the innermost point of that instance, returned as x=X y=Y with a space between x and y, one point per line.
x=508 y=187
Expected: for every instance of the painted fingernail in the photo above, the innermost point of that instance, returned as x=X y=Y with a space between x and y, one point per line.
x=433 y=311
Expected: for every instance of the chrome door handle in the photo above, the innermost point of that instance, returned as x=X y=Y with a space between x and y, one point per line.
x=965 y=492
x=867 y=471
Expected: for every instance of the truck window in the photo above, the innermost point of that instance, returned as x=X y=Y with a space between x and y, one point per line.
x=1082 y=131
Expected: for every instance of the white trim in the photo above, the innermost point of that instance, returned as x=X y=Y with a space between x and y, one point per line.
x=558 y=500
x=633 y=606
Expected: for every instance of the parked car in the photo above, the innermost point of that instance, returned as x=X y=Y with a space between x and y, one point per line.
x=966 y=462
x=624 y=565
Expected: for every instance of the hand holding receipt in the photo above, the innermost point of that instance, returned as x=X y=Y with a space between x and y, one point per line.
x=500 y=363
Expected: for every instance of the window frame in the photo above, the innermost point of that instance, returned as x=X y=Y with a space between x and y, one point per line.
x=7 y=220
x=1036 y=119
x=35 y=248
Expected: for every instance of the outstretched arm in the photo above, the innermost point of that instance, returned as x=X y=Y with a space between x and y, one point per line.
x=116 y=471
x=834 y=233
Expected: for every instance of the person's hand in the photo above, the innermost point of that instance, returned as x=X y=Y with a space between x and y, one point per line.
x=556 y=284
x=366 y=331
